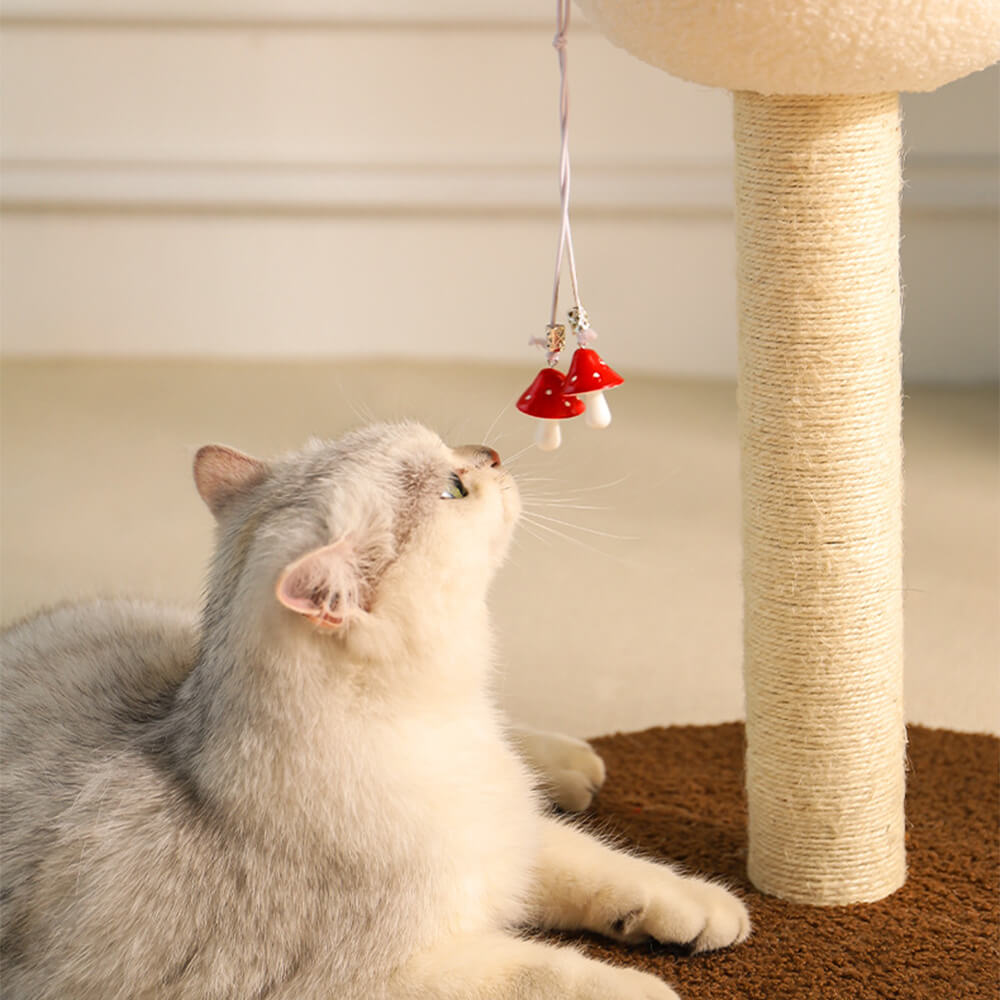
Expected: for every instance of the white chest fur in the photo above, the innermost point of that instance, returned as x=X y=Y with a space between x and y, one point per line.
x=446 y=810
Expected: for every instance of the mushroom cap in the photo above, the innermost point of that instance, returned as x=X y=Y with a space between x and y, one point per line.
x=806 y=46
x=588 y=372
x=544 y=398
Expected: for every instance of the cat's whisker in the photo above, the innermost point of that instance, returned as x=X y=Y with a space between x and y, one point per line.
x=602 y=486
x=565 y=537
x=535 y=534
x=566 y=488
x=496 y=420
x=530 y=499
x=517 y=454
x=540 y=479
x=529 y=484
x=361 y=411
x=453 y=430
x=534 y=515
x=533 y=501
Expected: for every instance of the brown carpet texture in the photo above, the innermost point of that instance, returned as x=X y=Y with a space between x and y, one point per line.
x=677 y=794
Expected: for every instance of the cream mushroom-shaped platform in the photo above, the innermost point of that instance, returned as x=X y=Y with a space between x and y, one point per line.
x=817 y=138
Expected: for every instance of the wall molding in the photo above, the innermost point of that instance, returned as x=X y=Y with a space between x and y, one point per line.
x=932 y=184
x=377 y=187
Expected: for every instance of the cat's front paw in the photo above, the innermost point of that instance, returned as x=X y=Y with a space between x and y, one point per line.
x=570 y=768
x=691 y=912
x=727 y=919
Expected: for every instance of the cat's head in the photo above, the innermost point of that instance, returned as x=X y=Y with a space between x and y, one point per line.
x=386 y=522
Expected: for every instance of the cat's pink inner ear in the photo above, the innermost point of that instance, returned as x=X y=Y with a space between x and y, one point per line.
x=323 y=585
x=221 y=473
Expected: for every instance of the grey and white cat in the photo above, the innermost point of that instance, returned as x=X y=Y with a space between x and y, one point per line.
x=310 y=794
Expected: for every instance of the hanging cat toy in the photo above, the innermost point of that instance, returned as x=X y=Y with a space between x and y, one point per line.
x=554 y=396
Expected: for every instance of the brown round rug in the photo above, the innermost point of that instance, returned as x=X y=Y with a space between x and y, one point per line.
x=677 y=794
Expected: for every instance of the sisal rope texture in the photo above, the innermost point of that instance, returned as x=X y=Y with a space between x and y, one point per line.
x=817 y=192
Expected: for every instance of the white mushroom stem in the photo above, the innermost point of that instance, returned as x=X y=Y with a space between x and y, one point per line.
x=598 y=413
x=548 y=435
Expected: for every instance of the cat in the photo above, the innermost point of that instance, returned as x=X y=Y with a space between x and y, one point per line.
x=310 y=794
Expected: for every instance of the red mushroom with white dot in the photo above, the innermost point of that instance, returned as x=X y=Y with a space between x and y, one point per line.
x=546 y=400
x=587 y=379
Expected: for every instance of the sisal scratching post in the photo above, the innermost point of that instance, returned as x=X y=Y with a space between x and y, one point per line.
x=817 y=182
x=817 y=218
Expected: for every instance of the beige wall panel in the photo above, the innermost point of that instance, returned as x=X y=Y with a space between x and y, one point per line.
x=662 y=289
x=292 y=185
x=283 y=11
x=476 y=288
x=951 y=312
x=341 y=95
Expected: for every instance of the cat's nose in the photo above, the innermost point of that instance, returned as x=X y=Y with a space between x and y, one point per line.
x=478 y=455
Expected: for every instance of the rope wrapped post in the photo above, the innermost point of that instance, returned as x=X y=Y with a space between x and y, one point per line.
x=817 y=210
x=817 y=187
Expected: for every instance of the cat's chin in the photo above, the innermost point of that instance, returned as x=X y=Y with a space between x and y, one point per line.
x=510 y=499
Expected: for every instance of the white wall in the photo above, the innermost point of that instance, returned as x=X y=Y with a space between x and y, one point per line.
x=252 y=177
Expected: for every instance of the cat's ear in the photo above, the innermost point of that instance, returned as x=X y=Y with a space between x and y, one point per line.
x=324 y=585
x=222 y=473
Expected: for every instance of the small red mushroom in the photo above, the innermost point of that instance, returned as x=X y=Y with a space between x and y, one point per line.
x=587 y=378
x=545 y=400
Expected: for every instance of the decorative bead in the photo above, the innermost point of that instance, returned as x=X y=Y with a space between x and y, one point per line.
x=578 y=319
x=555 y=337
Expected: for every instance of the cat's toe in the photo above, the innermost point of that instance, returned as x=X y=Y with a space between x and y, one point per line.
x=580 y=775
x=576 y=774
x=690 y=917
x=572 y=791
x=727 y=920
x=582 y=757
x=568 y=767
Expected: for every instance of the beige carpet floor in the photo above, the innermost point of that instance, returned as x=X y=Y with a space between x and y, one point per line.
x=625 y=616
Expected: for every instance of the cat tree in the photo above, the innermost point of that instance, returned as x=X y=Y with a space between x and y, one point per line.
x=817 y=138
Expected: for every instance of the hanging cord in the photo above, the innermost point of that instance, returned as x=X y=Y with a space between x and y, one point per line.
x=565 y=233
x=555 y=336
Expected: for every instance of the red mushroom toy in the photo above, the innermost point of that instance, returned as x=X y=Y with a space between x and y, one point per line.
x=587 y=378
x=545 y=400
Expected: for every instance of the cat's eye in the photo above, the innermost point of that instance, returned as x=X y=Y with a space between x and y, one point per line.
x=455 y=489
